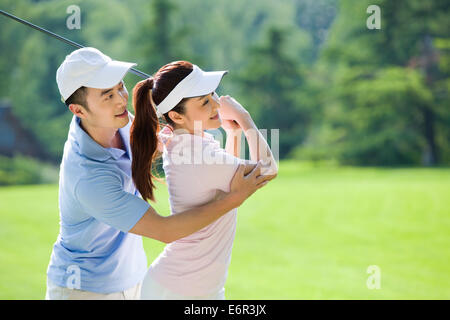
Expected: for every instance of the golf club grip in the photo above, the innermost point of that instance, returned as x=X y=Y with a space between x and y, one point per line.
x=56 y=36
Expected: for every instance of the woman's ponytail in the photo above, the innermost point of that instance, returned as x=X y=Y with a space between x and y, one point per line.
x=143 y=138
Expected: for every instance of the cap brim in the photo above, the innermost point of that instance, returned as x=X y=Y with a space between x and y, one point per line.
x=110 y=75
x=208 y=83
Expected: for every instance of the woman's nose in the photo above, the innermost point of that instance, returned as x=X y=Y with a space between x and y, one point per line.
x=124 y=95
x=215 y=97
x=216 y=103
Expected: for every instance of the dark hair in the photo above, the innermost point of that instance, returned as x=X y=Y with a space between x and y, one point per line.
x=145 y=127
x=78 y=97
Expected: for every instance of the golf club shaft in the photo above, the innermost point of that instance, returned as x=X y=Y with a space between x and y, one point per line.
x=54 y=35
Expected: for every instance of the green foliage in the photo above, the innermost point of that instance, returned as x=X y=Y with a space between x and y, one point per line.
x=22 y=170
x=315 y=17
x=388 y=97
x=382 y=119
x=32 y=59
x=272 y=83
x=158 y=40
x=310 y=68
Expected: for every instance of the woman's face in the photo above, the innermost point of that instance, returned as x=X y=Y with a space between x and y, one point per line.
x=201 y=113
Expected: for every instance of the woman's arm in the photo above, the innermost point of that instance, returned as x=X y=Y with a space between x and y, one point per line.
x=233 y=144
x=259 y=149
x=234 y=135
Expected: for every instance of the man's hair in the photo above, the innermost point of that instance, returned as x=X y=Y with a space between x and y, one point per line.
x=78 y=97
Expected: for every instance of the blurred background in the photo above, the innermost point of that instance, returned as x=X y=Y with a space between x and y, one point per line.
x=364 y=135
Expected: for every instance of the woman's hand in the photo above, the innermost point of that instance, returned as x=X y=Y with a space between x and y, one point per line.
x=230 y=125
x=234 y=133
x=230 y=109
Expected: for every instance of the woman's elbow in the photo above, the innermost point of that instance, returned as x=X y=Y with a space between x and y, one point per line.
x=271 y=169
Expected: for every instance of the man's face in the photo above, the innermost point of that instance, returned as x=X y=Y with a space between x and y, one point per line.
x=107 y=107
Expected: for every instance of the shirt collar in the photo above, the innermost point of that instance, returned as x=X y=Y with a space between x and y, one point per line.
x=116 y=153
x=169 y=139
x=91 y=149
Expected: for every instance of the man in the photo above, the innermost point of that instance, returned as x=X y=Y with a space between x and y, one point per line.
x=99 y=252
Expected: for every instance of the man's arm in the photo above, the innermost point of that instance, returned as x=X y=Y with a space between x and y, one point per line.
x=177 y=226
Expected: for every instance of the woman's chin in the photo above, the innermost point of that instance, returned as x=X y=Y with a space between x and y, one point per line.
x=214 y=124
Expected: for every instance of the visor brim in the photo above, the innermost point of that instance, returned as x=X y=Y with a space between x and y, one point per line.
x=207 y=84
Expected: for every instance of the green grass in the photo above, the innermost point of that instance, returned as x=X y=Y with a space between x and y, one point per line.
x=309 y=234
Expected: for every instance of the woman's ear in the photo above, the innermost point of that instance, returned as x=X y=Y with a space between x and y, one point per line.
x=176 y=117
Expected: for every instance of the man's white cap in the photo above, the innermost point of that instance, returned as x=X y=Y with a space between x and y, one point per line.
x=197 y=83
x=88 y=67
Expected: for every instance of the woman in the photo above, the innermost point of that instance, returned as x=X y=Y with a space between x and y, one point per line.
x=196 y=167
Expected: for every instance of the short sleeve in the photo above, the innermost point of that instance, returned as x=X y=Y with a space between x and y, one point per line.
x=104 y=198
x=217 y=169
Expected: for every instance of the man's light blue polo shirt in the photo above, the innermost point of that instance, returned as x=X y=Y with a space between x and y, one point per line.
x=98 y=205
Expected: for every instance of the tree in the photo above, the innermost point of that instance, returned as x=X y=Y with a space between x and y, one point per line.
x=273 y=85
x=35 y=57
x=315 y=17
x=387 y=104
x=156 y=39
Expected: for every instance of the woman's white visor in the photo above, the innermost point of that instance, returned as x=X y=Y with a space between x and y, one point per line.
x=197 y=83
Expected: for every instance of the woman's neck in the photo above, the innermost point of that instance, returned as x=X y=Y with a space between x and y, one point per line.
x=183 y=130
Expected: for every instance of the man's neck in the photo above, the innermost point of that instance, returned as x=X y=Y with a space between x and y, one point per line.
x=106 y=137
